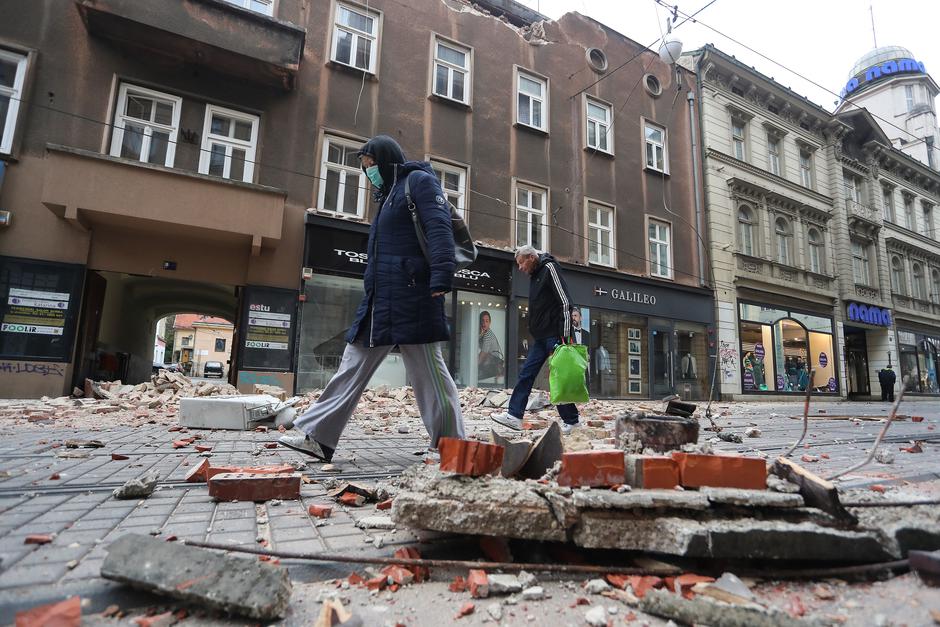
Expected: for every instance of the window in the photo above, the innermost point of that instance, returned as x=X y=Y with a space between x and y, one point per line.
x=860 y=263
x=918 y=281
x=600 y=234
x=897 y=276
x=782 y=228
x=656 y=148
x=265 y=7
x=909 y=212
x=773 y=154
x=530 y=216
x=806 y=168
x=531 y=107
x=660 y=261
x=145 y=126
x=187 y=340
x=454 y=182
x=928 y=221
x=816 y=251
x=888 y=199
x=909 y=97
x=598 y=126
x=342 y=184
x=852 y=191
x=355 y=38
x=935 y=286
x=746 y=228
x=451 y=71
x=12 y=74
x=220 y=345
x=229 y=139
x=738 y=139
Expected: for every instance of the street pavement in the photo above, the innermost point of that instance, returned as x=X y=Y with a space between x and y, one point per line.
x=46 y=488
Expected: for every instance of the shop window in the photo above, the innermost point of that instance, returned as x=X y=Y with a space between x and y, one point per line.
x=692 y=362
x=747 y=226
x=480 y=340
x=897 y=276
x=146 y=125
x=618 y=353
x=522 y=345
x=927 y=356
x=918 y=281
x=909 y=369
x=783 y=238
x=816 y=252
x=355 y=38
x=342 y=184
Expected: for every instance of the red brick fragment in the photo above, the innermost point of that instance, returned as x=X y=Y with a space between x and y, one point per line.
x=618 y=581
x=459 y=584
x=377 y=583
x=250 y=487
x=54 y=476
x=159 y=620
x=592 y=468
x=877 y=488
x=175 y=428
x=319 y=511
x=685 y=582
x=421 y=572
x=398 y=574
x=203 y=448
x=181 y=443
x=824 y=455
x=393 y=587
x=479 y=584
x=355 y=579
x=264 y=558
x=270 y=445
x=351 y=499
x=809 y=458
x=917 y=418
x=38 y=539
x=250 y=470
x=495 y=549
x=117 y=457
x=642 y=584
x=595 y=423
x=580 y=601
x=914 y=448
x=67 y=613
x=469 y=457
x=465 y=610
x=199 y=473
x=652 y=472
x=721 y=471
x=261 y=429
x=384 y=505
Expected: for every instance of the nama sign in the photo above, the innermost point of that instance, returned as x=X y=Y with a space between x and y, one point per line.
x=869 y=314
x=884 y=70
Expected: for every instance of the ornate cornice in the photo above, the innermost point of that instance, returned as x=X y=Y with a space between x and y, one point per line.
x=773 y=178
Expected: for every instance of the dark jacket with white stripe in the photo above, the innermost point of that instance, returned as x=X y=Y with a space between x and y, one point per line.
x=549 y=302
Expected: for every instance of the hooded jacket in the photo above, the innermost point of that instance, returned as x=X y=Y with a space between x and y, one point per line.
x=549 y=302
x=397 y=307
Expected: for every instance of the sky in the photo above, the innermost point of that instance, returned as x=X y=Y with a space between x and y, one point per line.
x=818 y=39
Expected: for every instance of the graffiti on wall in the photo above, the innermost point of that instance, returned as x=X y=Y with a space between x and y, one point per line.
x=728 y=359
x=26 y=367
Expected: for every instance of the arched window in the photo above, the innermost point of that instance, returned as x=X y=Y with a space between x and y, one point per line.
x=897 y=276
x=816 y=251
x=782 y=227
x=935 y=286
x=918 y=280
x=746 y=229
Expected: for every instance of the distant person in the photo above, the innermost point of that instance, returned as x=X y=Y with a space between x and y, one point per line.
x=549 y=326
x=887 y=378
x=403 y=305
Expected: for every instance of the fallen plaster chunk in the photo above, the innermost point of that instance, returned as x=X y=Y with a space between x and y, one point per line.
x=234 y=585
x=138 y=488
x=751 y=498
x=706 y=611
x=596 y=616
x=534 y=593
x=596 y=586
x=376 y=522
x=504 y=584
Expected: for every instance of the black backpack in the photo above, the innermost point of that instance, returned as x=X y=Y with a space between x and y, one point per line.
x=465 y=251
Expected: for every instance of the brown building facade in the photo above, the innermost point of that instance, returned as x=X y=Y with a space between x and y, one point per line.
x=200 y=155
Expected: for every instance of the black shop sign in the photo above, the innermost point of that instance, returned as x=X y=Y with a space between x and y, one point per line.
x=267 y=329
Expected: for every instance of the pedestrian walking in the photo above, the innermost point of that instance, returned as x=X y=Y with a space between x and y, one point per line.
x=887 y=377
x=403 y=306
x=549 y=325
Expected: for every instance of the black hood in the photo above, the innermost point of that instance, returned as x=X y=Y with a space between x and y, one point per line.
x=388 y=156
x=543 y=259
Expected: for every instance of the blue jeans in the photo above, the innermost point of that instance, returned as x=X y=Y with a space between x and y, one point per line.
x=539 y=351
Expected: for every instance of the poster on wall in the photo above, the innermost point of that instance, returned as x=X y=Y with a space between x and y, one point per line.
x=491 y=331
x=267 y=335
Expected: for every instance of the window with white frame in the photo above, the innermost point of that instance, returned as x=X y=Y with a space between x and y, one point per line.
x=929 y=227
x=738 y=139
x=598 y=126
x=806 y=168
x=935 y=286
x=897 y=276
x=861 y=263
x=454 y=182
x=355 y=37
x=746 y=227
x=888 y=203
x=918 y=281
x=229 y=140
x=660 y=253
x=530 y=216
x=656 y=158
x=12 y=75
x=146 y=124
x=909 y=97
x=600 y=234
x=531 y=93
x=264 y=7
x=342 y=182
x=909 y=212
x=773 y=153
x=783 y=237
x=816 y=251
x=852 y=188
x=451 y=71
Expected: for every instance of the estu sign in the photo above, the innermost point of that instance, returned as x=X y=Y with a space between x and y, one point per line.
x=883 y=70
x=869 y=314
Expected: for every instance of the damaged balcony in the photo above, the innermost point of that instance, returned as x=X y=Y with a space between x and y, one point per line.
x=210 y=33
x=88 y=188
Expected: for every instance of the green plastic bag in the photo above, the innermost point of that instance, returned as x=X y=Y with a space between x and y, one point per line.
x=566 y=369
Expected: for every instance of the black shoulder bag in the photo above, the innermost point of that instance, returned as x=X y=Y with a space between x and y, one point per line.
x=465 y=251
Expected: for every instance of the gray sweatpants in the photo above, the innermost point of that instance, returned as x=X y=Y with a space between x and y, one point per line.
x=435 y=391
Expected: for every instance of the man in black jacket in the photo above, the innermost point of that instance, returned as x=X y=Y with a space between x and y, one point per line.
x=886 y=378
x=549 y=325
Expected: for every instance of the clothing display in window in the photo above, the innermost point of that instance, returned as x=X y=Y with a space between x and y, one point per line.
x=689 y=366
x=602 y=360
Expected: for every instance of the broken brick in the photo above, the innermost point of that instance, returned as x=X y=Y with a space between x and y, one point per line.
x=377 y=583
x=250 y=487
x=199 y=473
x=618 y=581
x=877 y=488
x=479 y=584
x=685 y=582
x=466 y=609
x=495 y=549
x=261 y=429
x=270 y=445
x=352 y=499
x=203 y=448
x=158 y=620
x=459 y=584
x=117 y=457
x=175 y=428
x=203 y=471
x=54 y=476
x=398 y=574
x=652 y=471
x=67 y=613
x=319 y=511
x=386 y=504
x=916 y=447
x=917 y=418
x=181 y=443
x=468 y=457
x=592 y=468
x=355 y=579
x=421 y=572
x=642 y=584
x=721 y=471
x=38 y=539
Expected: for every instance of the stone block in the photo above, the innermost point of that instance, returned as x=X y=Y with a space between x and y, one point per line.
x=660 y=433
x=238 y=486
x=242 y=586
x=592 y=468
x=468 y=457
x=721 y=471
x=652 y=471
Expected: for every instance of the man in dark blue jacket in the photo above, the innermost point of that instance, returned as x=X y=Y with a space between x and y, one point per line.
x=549 y=325
x=403 y=305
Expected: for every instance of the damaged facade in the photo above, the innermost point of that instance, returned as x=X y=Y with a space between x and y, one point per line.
x=227 y=138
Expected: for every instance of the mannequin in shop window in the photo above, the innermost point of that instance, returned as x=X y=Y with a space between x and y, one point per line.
x=689 y=366
x=490 y=359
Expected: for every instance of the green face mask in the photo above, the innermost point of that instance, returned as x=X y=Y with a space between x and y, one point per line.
x=373 y=173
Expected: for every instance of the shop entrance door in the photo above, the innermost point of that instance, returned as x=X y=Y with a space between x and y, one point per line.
x=662 y=362
x=856 y=356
